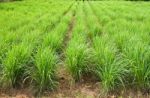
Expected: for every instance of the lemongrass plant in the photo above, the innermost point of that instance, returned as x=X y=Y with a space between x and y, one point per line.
x=43 y=73
x=14 y=64
x=78 y=59
x=110 y=68
x=139 y=56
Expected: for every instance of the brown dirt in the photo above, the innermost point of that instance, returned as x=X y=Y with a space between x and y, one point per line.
x=68 y=89
x=16 y=93
x=86 y=88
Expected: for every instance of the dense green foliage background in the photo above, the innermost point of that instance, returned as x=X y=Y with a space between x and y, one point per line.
x=108 y=40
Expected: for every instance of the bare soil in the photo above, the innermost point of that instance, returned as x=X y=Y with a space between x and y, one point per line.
x=86 y=88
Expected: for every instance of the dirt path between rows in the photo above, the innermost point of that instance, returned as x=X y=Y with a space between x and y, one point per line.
x=69 y=31
x=86 y=88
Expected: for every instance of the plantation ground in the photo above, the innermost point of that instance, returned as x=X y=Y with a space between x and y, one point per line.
x=75 y=49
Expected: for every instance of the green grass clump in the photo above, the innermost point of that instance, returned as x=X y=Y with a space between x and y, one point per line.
x=53 y=41
x=78 y=59
x=43 y=72
x=139 y=56
x=111 y=69
x=13 y=66
x=55 y=38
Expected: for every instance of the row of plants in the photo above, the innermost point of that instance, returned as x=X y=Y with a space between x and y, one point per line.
x=110 y=46
x=47 y=58
x=32 y=60
x=109 y=65
x=123 y=50
x=77 y=52
x=39 y=24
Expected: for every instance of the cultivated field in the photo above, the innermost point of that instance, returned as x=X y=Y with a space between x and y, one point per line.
x=75 y=49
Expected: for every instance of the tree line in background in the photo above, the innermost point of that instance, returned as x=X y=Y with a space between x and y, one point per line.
x=76 y=0
x=111 y=0
x=9 y=0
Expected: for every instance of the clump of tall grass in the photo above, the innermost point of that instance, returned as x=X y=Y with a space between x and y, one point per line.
x=94 y=28
x=78 y=58
x=121 y=39
x=138 y=54
x=3 y=49
x=13 y=66
x=55 y=38
x=110 y=68
x=53 y=41
x=43 y=72
x=78 y=53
